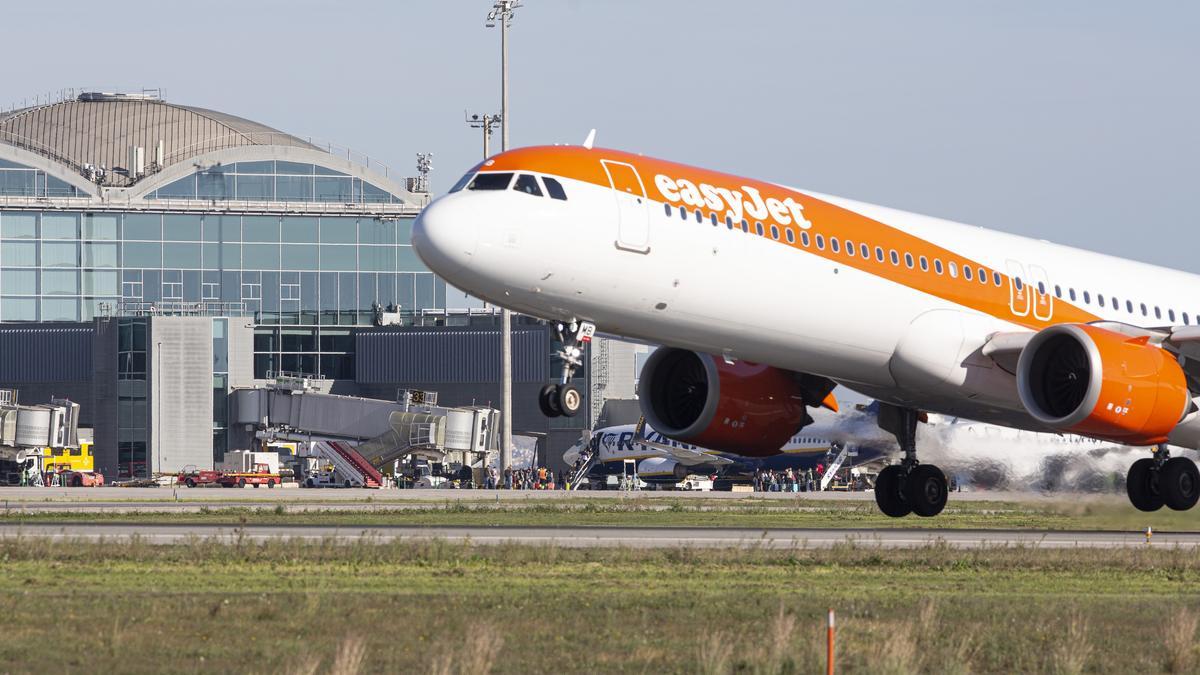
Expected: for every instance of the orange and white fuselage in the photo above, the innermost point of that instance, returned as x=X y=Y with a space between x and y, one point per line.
x=894 y=305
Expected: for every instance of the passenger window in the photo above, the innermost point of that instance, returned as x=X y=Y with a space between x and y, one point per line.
x=937 y=265
x=908 y=260
x=804 y=238
x=865 y=251
x=953 y=269
x=924 y=264
x=1129 y=306
x=1100 y=299
x=983 y=276
x=729 y=222
x=833 y=244
x=555 y=188
x=1041 y=288
x=967 y=273
x=1072 y=292
x=1157 y=313
x=820 y=243
x=1171 y=315
x=1185 y=318
x=1019 y=284
x=879 y=253
x=1144 y=312
x=775 y=233
x=713 y=218
x=1057 y=291
x=997 y=280
x=745 y=226
x=1087 y=298
x=699 y=216
x=791 y=236
x=527 y=184
x=683 y=213
x=758 y=228
x=895 y=257
x=666 y=209
x=491 y=181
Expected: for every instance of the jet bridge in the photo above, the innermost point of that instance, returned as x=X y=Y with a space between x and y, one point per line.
x=382 y=432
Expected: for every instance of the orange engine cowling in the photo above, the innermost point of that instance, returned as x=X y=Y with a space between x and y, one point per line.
x=744 y=408
x=1096 y=382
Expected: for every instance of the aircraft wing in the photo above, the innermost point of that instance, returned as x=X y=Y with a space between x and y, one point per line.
x=684 y=456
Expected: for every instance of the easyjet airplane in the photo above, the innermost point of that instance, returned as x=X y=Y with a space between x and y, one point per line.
x=766 y=296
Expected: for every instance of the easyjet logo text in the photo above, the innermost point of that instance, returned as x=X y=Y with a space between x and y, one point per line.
x=746 y=202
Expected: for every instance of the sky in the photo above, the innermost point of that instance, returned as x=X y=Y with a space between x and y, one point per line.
x=1072 y=121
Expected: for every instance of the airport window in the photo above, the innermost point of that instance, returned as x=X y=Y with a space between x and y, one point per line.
x=1171 y=315
x=556 y=190
x=937 y=265
x=895 y=257
x=774 y=232
x=791 y=236
x=699 y=216
x=996 y=278
x=491 y=181
x=667 y=209
x=713 y=217
x=820 y=243
x=879 y=253
x=804 y=239
x=967 y=273
x=1157 y=313
x=865 y=251
x=953 y=269
x=834 y=245
x=758 y=228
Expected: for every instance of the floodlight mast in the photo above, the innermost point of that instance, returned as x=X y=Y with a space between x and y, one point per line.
x=502 y=13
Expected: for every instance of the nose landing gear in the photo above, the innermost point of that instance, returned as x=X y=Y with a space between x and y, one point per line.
x=908 y=487
x=564 y=398
x=1162 y=480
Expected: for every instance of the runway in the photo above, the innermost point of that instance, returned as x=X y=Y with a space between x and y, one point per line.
x=587 y=537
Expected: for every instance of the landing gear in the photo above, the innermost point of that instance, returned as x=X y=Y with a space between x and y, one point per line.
x=908 y=487
x=564 y=398
x=1162 y=480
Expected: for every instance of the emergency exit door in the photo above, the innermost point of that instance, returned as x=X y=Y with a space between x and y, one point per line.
x=633 y=219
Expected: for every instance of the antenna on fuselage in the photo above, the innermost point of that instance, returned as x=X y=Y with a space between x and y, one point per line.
x=590 y=140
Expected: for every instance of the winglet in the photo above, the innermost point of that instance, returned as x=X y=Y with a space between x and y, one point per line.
x=590 y=140
x=830 y=402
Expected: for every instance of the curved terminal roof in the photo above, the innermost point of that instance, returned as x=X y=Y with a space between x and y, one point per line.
x=98 y=130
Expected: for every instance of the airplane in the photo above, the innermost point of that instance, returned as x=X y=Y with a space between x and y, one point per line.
x=766 y=297
x=666 y=461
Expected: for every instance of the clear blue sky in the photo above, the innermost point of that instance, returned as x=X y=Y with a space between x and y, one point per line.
x=1074 y=121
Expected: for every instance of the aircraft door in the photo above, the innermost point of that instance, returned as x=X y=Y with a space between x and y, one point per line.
x=1019 y=291
x=633 y=220
x=1043 y=303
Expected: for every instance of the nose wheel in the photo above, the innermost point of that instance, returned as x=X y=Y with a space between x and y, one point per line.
x=565 y=399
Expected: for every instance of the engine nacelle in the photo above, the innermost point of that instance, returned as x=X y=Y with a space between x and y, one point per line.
x=1096 y=382
x=744 y=408
x=661 y=470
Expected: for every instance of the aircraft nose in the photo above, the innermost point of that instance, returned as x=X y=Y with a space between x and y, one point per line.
x=445 y=235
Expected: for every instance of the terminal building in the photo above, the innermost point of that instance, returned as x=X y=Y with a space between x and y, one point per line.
x=154 y=256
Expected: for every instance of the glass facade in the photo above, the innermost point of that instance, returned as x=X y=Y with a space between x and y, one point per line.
x=18 y=180
x=132 y=400
x=281 y=270
x=275 y=181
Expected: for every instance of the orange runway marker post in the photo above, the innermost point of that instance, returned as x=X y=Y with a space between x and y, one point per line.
x=829 y=646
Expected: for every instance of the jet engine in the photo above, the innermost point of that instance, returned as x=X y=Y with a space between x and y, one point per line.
x=661 y=470
x=1093 y=381
x=745 y=408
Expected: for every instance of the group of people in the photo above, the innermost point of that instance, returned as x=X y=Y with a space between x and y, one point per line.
x=540 y=478
x=788 y=480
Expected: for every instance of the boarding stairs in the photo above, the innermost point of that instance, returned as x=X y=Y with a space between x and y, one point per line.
x=584 y=469
x=350 y=464
x=844 y=453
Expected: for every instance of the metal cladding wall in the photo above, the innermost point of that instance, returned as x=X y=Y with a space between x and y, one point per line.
x=45 y=355
x=450 y=356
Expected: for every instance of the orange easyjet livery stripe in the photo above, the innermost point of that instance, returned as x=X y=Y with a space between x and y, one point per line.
x=748 y=204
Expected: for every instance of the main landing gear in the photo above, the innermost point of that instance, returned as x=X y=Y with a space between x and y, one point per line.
x=1162 y=480
x=565 y=399
x=908 y=487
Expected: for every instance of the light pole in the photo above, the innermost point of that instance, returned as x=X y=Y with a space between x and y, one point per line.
x=486 y=122
x=502 y=13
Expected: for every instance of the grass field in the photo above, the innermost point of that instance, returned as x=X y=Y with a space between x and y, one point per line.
x=290 y=607
x=1092 y=514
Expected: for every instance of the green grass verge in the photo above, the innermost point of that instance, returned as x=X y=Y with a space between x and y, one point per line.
x=438 y=607
x=1105 y=514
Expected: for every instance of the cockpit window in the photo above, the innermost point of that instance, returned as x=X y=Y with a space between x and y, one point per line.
x=462 y=182
x=491 y=181
x=527 y=184
x=555 y=188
